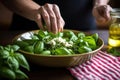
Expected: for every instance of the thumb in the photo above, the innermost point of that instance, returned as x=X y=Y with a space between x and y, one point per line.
x=107 y=12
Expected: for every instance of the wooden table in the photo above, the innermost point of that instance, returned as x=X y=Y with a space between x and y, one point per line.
x=46 y=73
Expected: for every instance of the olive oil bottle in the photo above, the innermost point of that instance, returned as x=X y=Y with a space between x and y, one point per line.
x=114 y=29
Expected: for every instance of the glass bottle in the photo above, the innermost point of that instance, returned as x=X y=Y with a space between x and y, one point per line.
x=114 y=28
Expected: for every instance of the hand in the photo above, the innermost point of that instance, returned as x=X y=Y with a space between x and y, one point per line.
x=102 y=13
x=49 y=14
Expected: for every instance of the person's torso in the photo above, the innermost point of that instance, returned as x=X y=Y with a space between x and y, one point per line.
x=76 y=13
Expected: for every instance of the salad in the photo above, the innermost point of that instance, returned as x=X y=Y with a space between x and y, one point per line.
x=62 y=43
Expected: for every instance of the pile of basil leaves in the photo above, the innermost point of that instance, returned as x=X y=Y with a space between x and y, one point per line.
x=48 y=43
x=10 y=63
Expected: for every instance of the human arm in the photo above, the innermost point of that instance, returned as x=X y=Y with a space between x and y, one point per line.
x=101 y=11
x=25 y=8
x=31 y=10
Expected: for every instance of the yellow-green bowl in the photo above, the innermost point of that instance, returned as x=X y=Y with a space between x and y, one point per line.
x=60 y=60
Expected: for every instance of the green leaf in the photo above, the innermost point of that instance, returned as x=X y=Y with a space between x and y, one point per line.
x=22 y=61
x=84 y=49
x=20 y=75
x=29 y=48
x=7 y=73
x=38 y=47
x=70 y=35
x=34 y=37
x=91 y=41
x=15 y=47
x=4 y=54
x=8 y=48
x=42 y=33
x=114 y=51
x=12 y=63
x=46 y=52
x=95 y=36
x=81 y=35
x=1 y=47
x=59 y=34
x=22 y=44
x=62 y=51
x=52 y=34
x=29 y=41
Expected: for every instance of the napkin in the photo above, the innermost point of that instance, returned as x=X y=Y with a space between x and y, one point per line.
x=102 y=66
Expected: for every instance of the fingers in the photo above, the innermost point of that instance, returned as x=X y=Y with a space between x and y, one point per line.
x=45 y=19
x=50 y=13
x=96 y=14
x=102 y=13
x=106 y=11
x=60 y=21
x=98 y=17
x=52 y=16
x=38 y=20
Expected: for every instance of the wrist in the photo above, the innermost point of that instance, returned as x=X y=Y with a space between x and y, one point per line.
x=35 y=13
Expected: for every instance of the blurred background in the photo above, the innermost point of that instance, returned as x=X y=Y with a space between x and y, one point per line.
x=6 y=15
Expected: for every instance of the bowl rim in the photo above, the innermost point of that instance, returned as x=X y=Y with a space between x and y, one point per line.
x=72 y=55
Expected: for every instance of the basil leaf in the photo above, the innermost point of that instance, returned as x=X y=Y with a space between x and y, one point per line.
x=15 y=47
x=42 y=34
x=7 y=73
x=46 y=52
x=81 y=35
x=12 y=63
x=91 y=41
x=22 y=61
x=38 y=47
x=20 y=75
x=4 y=54
x=114 y=51
x=62 y=51
x=22 y=44
x=70 y=35
x=95 y=36
x=29 y=48
x=84 y=49
x=1 y=48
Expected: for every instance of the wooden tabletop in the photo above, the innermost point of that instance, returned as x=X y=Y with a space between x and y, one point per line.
x=46 y=73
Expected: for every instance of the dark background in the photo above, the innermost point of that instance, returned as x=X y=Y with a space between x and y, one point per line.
x=6 y=15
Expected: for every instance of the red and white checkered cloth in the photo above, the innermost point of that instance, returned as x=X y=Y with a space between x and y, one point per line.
x=102 y=66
